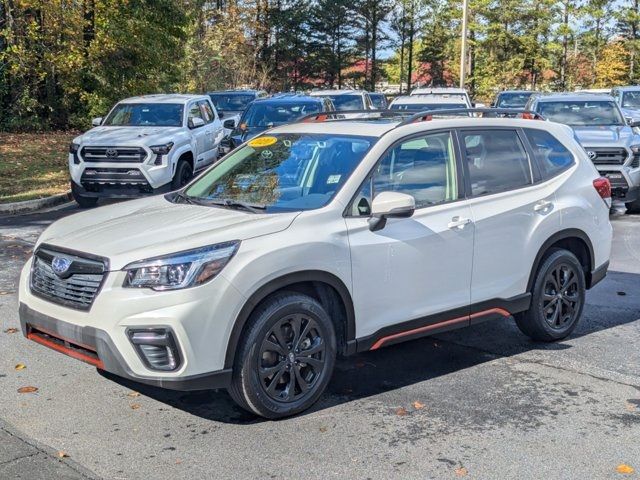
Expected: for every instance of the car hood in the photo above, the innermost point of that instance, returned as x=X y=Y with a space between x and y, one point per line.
x=149 y=227
x=107 y=136
x=617 y=136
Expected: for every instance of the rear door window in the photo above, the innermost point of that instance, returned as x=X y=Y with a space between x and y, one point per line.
x=552 y=156
x=496 y=160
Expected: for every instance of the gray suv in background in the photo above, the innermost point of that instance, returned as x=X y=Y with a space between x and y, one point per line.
x=628 y=99
x=611 y=141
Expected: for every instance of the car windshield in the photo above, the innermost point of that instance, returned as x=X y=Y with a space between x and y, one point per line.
x=422 y=107
x=231 y=102
x=282 y=172
x=379 y=100
x=582 y=113
x=347 y=102
x=268 y=114
x=145 y=115
x=631 y=100
x=513 y=99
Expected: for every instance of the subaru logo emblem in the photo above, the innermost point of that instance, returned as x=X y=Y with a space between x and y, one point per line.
x=591 y=154
x=111 y=152
x=60 y=265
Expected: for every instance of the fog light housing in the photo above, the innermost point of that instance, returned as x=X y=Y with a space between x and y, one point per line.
x=156 y=347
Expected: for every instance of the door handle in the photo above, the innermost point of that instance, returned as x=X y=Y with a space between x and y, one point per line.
x=458 y=222
x=543 y=206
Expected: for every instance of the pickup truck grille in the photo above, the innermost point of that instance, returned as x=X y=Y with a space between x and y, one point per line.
x=608 y=156
x=113 y=176
x=113 y=154
x=75 y=288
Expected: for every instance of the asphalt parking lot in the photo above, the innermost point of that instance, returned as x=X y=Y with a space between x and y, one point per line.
x=481 y=403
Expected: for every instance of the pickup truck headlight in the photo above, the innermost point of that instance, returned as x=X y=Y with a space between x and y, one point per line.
x=635 y=151
x=73 y=147
x=180 y=270
x=162 y=149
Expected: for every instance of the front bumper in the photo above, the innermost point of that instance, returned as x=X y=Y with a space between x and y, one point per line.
x=119 y=190
x=94 y=346
x=200 y=319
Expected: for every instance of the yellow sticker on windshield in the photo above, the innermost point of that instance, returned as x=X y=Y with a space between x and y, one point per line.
x=262 y=141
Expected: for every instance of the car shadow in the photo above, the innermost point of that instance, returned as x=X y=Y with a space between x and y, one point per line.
x=372 y=373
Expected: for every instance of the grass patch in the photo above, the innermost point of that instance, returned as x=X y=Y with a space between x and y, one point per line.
x=33 y=165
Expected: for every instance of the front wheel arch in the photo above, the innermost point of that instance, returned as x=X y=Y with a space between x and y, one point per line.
x=326 y=287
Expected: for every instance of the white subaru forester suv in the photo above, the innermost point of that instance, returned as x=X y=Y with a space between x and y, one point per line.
x=325 y=238
x=145 y=145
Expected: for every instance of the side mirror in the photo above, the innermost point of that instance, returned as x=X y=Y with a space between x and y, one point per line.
x=231 y=123
x=220 y=114
x=96 y=122
x=634 y=122
x=390 y=205
x=196 y=122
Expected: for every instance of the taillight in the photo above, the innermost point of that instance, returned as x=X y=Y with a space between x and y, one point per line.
x=603 y=187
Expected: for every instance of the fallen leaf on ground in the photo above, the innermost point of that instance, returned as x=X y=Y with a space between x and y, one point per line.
x=625 y=469
x=135 y=406
x=11 y=330
x=62 y=454
x=323 y=429
x=418 y=405
x=20 y=366
x=461 y=472
x=4 y=293
x=630 y=407
x=133 y=394
x=27 y=389
x=401 y=412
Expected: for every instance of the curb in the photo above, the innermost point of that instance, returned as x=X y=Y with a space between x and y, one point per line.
x=27 y=206
x=46 y=450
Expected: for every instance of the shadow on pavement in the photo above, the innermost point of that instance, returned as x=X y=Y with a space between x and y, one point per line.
x=372 y=373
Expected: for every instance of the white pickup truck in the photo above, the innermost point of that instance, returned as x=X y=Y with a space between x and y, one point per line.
x=145 y=145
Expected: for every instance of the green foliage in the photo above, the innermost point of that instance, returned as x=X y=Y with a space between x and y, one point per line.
x=65 y=61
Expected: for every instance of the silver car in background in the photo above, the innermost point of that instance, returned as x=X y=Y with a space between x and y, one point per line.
x=611 y=140
x=628 y=99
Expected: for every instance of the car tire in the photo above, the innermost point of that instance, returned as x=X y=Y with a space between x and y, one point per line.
x=273 y=375
x=182 y=175
x=633 y=207
x=83 y=201
x=557 y=298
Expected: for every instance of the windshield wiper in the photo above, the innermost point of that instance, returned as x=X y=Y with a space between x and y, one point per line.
x=230 y=203
x=184 y=198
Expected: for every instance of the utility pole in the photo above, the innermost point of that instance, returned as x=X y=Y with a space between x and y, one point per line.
x=463 y=48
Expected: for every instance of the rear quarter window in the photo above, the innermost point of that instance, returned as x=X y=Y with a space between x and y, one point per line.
x=552 y=156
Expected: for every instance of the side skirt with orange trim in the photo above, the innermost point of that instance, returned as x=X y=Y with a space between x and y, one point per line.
x=444 y=321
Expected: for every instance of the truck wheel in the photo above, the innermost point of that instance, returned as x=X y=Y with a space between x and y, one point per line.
x=633 y=207
x=557 y=298
x=285 y=358
x=183 y=175
x=83 y=201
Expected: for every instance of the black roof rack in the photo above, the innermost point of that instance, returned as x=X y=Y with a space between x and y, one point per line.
x=343 y=115
x=483 y=113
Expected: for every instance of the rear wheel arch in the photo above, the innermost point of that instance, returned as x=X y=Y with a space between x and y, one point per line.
x=325 y=287
x=574 y=240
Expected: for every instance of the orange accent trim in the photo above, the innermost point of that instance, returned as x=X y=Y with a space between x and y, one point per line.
x=499 y=311
x=453 y=321
x=67 y=351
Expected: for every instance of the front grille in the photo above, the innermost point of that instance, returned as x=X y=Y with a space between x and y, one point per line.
x=113 y=176
x=76 y=287
x=609 y=156
x=114 y=154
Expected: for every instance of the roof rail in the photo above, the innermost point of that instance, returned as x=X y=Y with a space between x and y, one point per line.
x=342 y=115
x=485 y=113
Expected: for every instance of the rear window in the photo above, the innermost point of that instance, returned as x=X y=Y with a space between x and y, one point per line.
x=551 y=155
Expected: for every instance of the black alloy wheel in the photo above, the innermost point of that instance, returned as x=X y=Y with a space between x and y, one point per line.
x=292 y=358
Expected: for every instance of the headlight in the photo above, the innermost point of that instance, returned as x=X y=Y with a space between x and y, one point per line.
x=73 y=147
x=635 y=149
x=180 y=270
x=162 y=149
